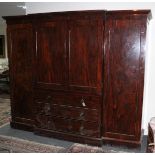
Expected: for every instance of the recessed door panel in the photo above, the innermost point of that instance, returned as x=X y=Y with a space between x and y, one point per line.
x=122 y=78
x=51 y=54
x=21 y=55
x=85 y=55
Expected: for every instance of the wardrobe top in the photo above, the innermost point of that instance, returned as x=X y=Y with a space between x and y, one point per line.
x=68 y=14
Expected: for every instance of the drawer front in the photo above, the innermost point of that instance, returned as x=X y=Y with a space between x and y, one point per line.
x=70 y=112
x=68 y=126
x=70 y=99
x=86 y=101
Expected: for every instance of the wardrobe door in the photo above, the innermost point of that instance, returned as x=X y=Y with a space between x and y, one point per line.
x=51 y=54
x=85 y=55
x=123 y=89
x=21 y=57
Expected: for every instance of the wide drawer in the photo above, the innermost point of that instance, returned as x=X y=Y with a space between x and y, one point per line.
x=78 y=113
x=69 y=126
x=70 y=99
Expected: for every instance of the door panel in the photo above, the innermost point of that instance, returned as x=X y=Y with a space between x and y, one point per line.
x=121 y=78
x=85 y=55
x=51 y=54
x=21 y=55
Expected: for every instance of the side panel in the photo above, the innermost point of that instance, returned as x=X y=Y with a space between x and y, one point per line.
x=21 y=57
x=122 y=77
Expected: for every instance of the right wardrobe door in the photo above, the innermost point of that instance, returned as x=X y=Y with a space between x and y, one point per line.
x=123 y=76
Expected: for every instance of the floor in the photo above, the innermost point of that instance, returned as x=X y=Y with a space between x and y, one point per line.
x=7 y=131
x=4 y=108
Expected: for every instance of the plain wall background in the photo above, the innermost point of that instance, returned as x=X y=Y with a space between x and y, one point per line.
x=3 y=32
x=9 y=9
x=149 y=86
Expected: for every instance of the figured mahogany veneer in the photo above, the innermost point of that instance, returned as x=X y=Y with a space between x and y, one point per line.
x=79 y=75
x=68 y=125
x=69 y=99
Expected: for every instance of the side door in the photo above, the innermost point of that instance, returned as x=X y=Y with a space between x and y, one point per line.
x=21 y=58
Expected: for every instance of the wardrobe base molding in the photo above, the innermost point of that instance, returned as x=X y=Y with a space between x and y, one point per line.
x=21 y=126
x=114 y=141
x=69 y=137
x=74 y=137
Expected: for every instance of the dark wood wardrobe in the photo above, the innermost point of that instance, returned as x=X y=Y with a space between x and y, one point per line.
x=79 y=75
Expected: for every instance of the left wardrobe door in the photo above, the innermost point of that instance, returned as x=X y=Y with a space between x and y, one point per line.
x=21 y=55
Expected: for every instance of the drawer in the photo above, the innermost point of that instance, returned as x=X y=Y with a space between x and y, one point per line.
x=86 y=101
x=70 y=99
x=70 y=112
x=68 y=126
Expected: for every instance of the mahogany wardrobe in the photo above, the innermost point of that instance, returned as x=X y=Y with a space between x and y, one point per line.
x=79 y=75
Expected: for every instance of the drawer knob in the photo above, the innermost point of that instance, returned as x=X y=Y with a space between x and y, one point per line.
x=47 y=108
x=81 y=128
x=83 y=103
x=48 y=124
x=42 y=111
x=82 y=114
x=70 y=127
x=49 y=97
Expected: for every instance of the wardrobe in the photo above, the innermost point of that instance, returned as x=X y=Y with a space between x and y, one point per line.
x=79 y=75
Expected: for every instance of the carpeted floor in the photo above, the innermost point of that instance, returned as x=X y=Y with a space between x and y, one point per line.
x=4 y=109
x=27 y=141
x=13 y=140
x=16 y=145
